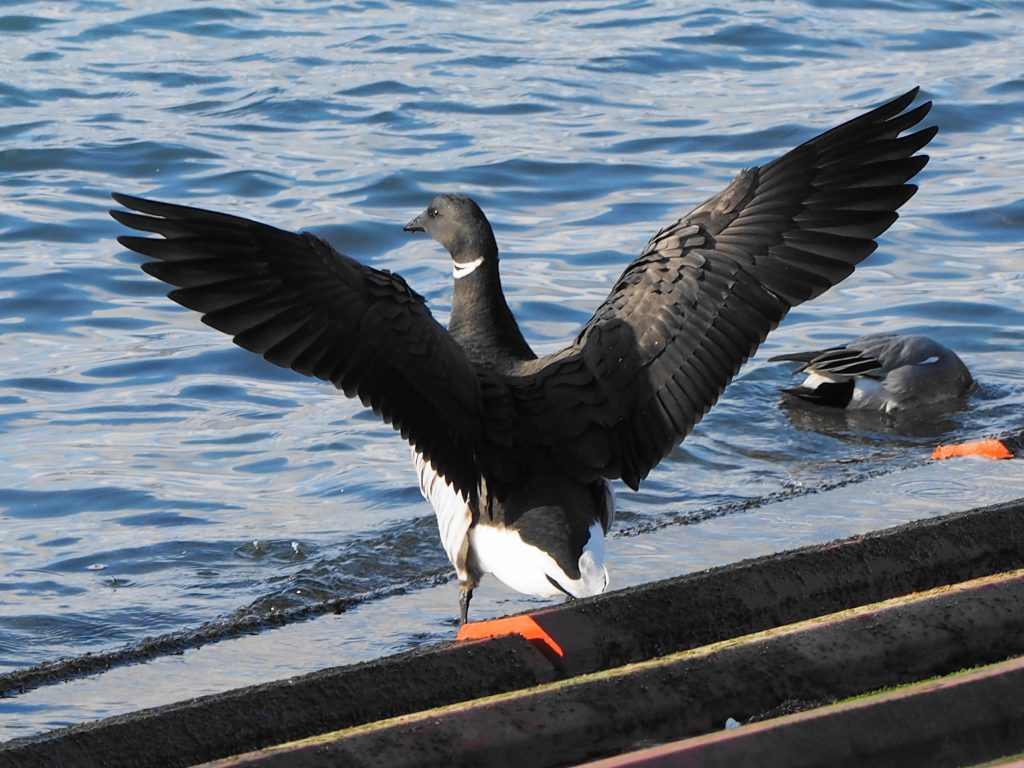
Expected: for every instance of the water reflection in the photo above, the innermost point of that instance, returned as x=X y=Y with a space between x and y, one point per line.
x=871 y=426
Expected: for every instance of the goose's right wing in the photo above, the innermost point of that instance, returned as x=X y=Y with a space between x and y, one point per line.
x=296 y=301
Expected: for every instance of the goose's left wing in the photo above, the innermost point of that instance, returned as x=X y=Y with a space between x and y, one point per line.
x=706 y=291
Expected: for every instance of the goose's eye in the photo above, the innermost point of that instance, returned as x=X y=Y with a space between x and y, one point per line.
x=433 y=212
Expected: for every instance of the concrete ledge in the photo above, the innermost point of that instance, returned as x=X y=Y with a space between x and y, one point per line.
x=601 y=633
x=701 y=608
x=967 y=718
x=189 y=732
x=849 y=653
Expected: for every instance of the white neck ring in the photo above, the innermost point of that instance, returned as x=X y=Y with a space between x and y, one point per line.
x=461 y=270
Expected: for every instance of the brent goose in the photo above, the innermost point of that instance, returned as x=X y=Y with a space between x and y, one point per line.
x=514 y=452
x=885 y=372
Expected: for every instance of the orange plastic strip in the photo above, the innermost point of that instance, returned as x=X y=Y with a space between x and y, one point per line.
x=524 y=626
x=989 y=449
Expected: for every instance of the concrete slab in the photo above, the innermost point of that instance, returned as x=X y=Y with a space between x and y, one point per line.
x=212 y=726
x=962 y=719
x=701 y=608
x=602 y=633
x=693 y=692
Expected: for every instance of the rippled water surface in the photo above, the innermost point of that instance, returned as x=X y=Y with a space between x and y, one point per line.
x=158 y=482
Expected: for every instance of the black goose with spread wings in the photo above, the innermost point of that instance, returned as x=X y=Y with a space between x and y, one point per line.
x=515 y=451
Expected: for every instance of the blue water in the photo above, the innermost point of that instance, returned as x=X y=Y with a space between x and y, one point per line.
x=154 y=479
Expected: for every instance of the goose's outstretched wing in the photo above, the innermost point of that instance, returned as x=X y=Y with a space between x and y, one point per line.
x=707 y=289
x=296 y=301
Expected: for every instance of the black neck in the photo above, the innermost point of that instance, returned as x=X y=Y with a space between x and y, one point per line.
x=481 y=321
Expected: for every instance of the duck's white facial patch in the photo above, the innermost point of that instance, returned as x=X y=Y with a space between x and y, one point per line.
x=526 y=568
x=461 y=270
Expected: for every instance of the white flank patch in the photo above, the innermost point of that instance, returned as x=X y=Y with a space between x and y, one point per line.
x=453 y=513
x=869 y=393
x=461 y=270
x=526 y=568
x=930 y=360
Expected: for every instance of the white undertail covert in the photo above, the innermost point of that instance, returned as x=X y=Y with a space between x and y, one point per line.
x=502 y=552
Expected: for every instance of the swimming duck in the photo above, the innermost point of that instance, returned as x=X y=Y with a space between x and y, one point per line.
x=885 y=372
x=514 y=451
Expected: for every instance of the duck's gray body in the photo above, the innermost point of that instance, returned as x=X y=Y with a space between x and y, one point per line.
x=891 y=373
x=515 y=451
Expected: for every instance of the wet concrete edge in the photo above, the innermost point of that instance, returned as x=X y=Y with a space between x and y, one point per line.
x=697 y=609
x=207 y=727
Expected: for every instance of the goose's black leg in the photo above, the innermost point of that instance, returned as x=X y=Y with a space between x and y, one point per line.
x=465 y=595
